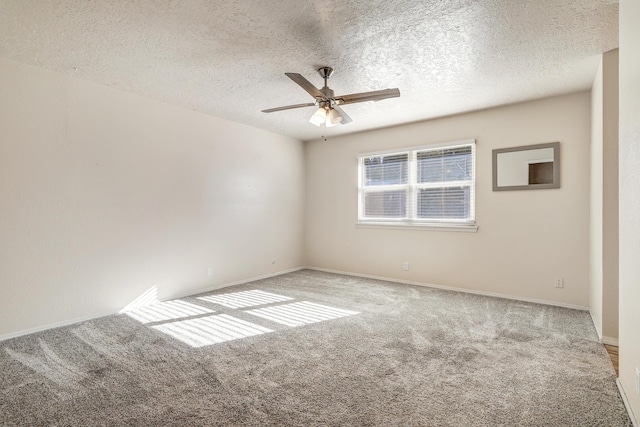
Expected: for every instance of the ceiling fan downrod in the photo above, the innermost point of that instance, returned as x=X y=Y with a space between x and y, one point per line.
x=325 y=73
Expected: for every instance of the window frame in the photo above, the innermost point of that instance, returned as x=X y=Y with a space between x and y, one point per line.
x=412 y=188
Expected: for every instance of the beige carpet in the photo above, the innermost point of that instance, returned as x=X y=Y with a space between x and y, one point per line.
x=311 y=348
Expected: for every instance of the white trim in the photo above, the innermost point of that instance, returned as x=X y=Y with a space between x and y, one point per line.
x=53 y=325
x=266 y=276
x=627 y=405
x=429 y=185
x=412 y=211
x=238 y=282
x=403 y=150
x=603 y=339
x=411 y=187
x=91 y=317
x=451 y=288
x=595 y=325
x=468 y=228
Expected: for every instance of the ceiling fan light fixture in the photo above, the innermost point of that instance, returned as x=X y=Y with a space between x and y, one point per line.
x=319 y=117
x=333 y=117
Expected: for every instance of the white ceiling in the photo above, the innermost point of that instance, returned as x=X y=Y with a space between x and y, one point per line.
x=228 y=58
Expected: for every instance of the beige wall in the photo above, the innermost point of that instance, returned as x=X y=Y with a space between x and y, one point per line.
x=630 y=201
x=604 y=199
x=525 y=239
x=595 y=203
x=610 y=230
x=105 y=194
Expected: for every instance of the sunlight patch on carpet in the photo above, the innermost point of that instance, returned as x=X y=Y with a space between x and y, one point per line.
x=245 y=299
x=169 y=310
x=209 y=330
x=300 y=313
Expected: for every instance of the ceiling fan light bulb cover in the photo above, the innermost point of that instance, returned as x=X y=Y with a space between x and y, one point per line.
x=333 y=117
x=319 y=117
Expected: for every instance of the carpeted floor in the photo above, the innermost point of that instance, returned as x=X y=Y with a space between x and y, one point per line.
x=316 y=349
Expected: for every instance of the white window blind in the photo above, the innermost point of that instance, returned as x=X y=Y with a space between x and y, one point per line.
x=431 y=185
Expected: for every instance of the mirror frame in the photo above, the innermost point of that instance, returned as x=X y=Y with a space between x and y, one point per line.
x=556 y=167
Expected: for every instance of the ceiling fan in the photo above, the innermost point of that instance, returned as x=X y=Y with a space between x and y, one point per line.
x=329 y=111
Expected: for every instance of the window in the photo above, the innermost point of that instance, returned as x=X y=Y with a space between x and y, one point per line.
x=425 y=186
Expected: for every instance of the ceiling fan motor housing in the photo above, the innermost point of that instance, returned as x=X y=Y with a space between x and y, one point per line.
x=327 y=92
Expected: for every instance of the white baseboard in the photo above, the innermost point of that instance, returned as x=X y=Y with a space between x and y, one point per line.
x=609 y=341
x=266 y=276
x=238 y=282
x=596 y=325
x=91 y=317
x=603 y=339
x=52 y=326
x=451 y=288
x=626 y=403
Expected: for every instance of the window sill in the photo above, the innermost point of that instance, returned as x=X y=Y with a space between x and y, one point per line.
x=466 y=228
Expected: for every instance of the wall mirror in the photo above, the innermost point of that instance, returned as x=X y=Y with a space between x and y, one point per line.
x=530 y=167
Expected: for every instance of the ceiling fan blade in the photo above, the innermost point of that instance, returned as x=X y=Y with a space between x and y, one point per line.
x=345 y=117
x=306 y=85
x=289 y=107
x=375 y=95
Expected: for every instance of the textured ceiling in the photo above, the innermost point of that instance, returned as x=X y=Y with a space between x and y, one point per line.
x=228 y=58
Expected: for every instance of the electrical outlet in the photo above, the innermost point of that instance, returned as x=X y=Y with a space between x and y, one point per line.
x=210 y=271
x=405 y=266
x=560 y=282
x=638 y=380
